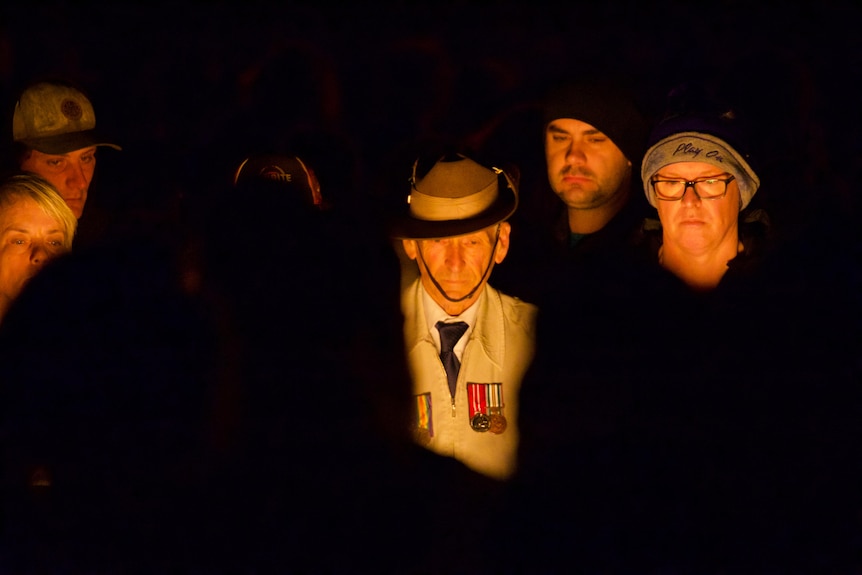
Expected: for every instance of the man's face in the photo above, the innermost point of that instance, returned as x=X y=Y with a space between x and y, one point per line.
x=29 y=238
x=695 y=226
x=457 y=264
x=69 y=173
x=585 y=168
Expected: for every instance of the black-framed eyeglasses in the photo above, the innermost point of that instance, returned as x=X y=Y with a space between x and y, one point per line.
x=705 y=188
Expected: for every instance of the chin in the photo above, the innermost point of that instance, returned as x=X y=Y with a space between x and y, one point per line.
x=456 y=295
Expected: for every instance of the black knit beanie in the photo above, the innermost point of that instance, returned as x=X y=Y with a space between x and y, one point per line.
x=605 y=103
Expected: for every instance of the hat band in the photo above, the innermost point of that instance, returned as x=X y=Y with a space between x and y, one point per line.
x=439 y=209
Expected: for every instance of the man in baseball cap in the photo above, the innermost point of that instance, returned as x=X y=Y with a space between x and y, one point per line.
x=284 y=173
x=466 y=385
x=54 y=132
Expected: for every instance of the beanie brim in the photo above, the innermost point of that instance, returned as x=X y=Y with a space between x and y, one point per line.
x=607 y=105
x=698 y=147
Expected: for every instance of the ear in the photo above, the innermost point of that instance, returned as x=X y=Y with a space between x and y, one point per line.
x=502 y=242
x=410 y=248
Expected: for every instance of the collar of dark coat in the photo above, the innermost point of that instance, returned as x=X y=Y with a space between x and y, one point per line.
x=620 y=231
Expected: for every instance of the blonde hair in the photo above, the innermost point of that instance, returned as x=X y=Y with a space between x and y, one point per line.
x=46 y=197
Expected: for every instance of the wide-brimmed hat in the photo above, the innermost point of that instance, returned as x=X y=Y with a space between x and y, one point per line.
x=55 y=118
x=457 y=196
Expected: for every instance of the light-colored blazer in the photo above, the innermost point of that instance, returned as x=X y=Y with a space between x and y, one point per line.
x=500 y=348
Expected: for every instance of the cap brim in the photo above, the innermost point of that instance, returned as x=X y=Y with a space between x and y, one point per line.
x=406 y=227
x=65 y=143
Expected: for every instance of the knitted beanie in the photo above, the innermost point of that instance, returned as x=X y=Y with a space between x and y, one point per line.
x=604 y=103
x=699 y=128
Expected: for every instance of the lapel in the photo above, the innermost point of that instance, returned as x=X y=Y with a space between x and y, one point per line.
x=415 y=330
x=484 y=353
x=487 y=340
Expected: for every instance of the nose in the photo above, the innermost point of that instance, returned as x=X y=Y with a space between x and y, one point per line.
x=39 y=255
x=691 y=198
x=77 y=179
x=575 y=153
x=454 y=256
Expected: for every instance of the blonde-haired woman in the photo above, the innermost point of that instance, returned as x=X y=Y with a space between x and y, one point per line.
x=36 y=226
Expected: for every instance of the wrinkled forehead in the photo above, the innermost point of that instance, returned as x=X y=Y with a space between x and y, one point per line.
x=570 y=125
x=23 y=212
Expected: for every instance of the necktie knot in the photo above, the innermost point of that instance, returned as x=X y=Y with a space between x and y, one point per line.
x=450 y=333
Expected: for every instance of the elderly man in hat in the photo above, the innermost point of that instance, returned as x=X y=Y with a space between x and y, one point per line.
x=468 y=344
x=54 y=131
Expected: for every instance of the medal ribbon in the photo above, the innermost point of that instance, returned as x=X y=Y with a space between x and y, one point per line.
x=423 y=413
x=495 y=397
x=478 y=398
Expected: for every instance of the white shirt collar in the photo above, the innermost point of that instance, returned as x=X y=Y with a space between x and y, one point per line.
x=435 y=313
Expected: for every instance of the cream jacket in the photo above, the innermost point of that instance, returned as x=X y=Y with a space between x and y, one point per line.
x=499 y=350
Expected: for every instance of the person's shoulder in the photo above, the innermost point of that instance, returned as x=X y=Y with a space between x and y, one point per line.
x=412 y=309
x=514 y=308
x=411 y=287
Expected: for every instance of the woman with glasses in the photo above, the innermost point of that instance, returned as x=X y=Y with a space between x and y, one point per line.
x=699 y=182
x=749 y=375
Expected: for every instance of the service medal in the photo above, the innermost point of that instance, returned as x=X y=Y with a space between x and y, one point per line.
x=480 y=422
x=486 y=407
x=497 y=423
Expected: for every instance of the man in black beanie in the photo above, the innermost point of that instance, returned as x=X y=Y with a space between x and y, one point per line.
x=593 y=133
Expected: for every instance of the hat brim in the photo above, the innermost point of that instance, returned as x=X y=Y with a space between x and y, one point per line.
x=406 y=227
x=65 y=143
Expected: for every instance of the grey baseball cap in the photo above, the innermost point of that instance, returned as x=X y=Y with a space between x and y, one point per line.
x=55 y=119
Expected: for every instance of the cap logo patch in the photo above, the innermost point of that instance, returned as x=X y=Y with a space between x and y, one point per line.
x=71 y=109
x=690 y=149
x=277 y=174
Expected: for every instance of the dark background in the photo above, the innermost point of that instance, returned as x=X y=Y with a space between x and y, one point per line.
x=190 y=88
